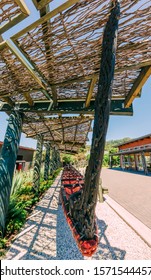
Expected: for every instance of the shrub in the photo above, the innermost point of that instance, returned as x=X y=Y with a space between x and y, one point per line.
x=21 y=202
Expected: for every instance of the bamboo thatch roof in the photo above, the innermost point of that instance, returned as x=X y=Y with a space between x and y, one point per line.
x=11 y=13
x=68 y=133
x=57 y=59
x=68 y=48
x=16 y=80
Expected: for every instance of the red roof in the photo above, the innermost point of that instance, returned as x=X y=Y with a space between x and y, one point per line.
x=134 y=140
x=21 y=147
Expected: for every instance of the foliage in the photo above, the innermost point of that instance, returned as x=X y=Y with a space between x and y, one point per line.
x=68 y=159
x=112 y=143
x=22 y=199
x=20 y=179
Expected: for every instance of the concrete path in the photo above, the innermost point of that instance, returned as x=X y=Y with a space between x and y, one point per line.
x=130 y=190
x=46 y=235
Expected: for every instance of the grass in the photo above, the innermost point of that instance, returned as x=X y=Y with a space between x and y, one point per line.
x=22 y=200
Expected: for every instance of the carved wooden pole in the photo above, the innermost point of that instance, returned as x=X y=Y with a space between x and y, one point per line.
x=47 y=161
x=37 y=164
x=54 y=159
x=84 y=209
x=7 y=163
x=51 y=167
x=58 y=159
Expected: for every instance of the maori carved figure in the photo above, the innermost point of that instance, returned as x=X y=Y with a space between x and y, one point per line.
x=37 y=164
x=82 y=205
x=7 y=163
x=47 y=161
x=55 y=158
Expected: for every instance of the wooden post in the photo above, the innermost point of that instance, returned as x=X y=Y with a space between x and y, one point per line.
x=37 y=164
x=47 y=161
x=136 y=162
x=110 y=161
x=144 y=163
x=122 y=162
x=51 y=167
x=7 y=163
x=100 y=192
x=54 y=158
x=129 y=162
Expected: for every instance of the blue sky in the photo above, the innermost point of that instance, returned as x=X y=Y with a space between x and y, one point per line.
x=119 y=126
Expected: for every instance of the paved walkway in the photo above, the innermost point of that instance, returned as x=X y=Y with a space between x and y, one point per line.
x=46 y=235
x=130 y=190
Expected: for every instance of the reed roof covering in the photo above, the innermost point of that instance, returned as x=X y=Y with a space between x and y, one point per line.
x=57 y=58
x=65 y=45
x=63 y=132
x=16 y=79
x=11 y=13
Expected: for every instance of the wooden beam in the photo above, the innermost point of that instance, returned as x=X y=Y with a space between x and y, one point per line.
x=48 y=16
x=28 y=98
x=85 y=120
x=17 y=18
x=40 y=4
x=48 y=49
x=25 y=64
x=77 y=144
x=23 y=6
x=72 y=107
x=62 y=129
x=8 y=100
x=90 y=91
x=137 y=86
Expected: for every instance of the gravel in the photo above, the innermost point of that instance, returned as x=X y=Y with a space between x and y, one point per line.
x=46 y=235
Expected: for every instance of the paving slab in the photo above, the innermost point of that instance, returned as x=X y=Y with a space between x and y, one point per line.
x=131 y=190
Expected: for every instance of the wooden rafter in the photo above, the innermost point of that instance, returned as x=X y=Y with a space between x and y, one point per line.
x=28 y=98
x=85 y=120
x=40 y=4
x=137 y=86
x=133 y=66
x=48 y=47
x=9 y=101
x=24 y=63
x=16 y=18
x=48 y=16
x=90 y=91
x=67 y=143
x=60 y=118
x=72 y=107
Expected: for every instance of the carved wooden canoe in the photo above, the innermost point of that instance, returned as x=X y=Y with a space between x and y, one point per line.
x=72 y=182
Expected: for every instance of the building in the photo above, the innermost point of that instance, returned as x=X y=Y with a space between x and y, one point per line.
x=135 y=154
x=24 y=157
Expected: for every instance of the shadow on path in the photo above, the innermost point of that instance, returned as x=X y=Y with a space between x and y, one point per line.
x=46 y=235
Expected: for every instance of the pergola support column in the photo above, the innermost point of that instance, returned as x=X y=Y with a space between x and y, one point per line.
x=110 y=161
x=136 y=162
x=129 y=162
x=7 y=163
x=144 y=163
x=37 y=164
x=122 y=161
x=47 y=161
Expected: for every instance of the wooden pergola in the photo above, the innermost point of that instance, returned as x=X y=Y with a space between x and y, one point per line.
x=50 y=70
